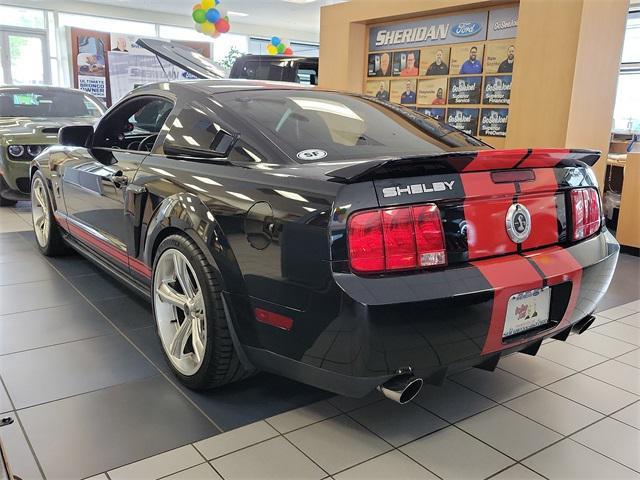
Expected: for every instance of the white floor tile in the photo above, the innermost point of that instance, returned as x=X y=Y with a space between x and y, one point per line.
x=620 y=331
x=600 y=320
x=452 y=401
x=570 y=356
x=570 y=460
x=301 y=417
x=102 y=476
x=159 y=466
x=338 y=443
x=633 y=320
x=617 y=312
x=631 y=358
x=635 y=305
x=5 y=403
x=509 y=432
x=498 y=385
x=201 y=472
x=22 y=462
x=235 y=439
x=536 y=370
x=614 y=439
x=393 y=465
x=554 y=411
x=629 y=415
x=607 y=346
x=593 y=393
x=397 y=424
x=618 y=374
x=517 y=472
x=274 y=459
x=452 y=453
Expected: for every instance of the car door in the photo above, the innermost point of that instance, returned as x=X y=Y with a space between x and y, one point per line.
x=95 y=180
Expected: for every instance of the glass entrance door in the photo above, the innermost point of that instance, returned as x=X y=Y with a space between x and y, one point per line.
x=23 y=57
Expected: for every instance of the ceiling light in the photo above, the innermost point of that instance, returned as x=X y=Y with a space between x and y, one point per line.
x=237 y=14
x=299 y=1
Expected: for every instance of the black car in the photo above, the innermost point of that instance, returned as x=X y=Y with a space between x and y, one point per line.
x=280 y=68
x=335 y=239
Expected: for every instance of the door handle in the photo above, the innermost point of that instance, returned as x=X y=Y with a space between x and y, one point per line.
x=118 y=180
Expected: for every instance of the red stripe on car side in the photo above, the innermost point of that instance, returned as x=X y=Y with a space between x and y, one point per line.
x=507 y=276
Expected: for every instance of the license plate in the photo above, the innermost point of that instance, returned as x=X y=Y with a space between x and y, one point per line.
x=526 y=311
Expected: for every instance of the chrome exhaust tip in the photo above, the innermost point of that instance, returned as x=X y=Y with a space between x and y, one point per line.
x=401 y=389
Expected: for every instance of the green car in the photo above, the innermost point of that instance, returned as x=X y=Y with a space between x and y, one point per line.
x=30 y=117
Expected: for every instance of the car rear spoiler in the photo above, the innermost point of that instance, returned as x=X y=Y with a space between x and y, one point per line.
x=458 y=162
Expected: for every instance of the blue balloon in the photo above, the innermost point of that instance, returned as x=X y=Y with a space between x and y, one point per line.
x=213 y=15
x=217 y=2
x=275 y=41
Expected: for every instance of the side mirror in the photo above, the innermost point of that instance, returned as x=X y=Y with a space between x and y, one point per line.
x=76 y=135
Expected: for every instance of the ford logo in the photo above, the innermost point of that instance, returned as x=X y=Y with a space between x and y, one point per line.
x=465 y=29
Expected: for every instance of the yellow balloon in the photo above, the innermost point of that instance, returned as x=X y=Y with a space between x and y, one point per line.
x=207 y=4
x=208 y=28
x=272 y=49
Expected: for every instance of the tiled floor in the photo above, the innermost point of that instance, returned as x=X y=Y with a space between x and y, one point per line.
x=82 y=374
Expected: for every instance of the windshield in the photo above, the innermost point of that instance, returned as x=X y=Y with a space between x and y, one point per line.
x=314 y=125
x=43 y=103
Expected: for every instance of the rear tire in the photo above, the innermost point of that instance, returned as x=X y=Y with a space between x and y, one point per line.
x=48 y=234
x=190 y=317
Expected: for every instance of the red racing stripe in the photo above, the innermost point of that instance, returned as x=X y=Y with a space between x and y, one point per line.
x=507 y=275
x=495 y=160
x=545 y=157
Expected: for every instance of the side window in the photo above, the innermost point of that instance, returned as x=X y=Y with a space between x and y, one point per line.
x=195 y=133
x=307 y=74
x=133 y=125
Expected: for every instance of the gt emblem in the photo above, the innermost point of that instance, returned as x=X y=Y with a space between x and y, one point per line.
x=518 y=223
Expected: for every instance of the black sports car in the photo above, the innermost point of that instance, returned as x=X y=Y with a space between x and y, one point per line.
x=335 y=239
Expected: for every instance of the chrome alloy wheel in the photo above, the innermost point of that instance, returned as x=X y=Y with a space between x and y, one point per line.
x=179 y=310
x=40 y=212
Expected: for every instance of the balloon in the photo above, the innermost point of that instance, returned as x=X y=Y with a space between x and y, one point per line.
x=216 y=34
x=288 y=51
x=197 y=6
x=217 y=2
x=281 y=48
x=275 y=41
x=213 y=15
x=199 y=27
x=222 y=26
x=208 y=28
x=199 y=16
x=207 y=4
x=272 y=49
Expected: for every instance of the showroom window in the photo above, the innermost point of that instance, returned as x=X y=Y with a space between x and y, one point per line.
x=258 y=46
x=104 y=24
x=627 y=111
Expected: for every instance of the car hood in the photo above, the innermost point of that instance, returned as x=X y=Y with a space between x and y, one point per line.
x=31 y=131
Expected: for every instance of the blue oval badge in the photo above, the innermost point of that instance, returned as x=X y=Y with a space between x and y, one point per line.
x=465 y=29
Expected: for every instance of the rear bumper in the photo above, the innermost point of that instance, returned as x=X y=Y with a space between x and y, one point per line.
x=438 y=322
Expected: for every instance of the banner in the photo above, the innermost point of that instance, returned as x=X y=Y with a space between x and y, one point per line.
x=465 y=90
x=378 y=89
x=437 y=113
x=403 y=92
x=432 y=91
x=493 y=122
x=503 y=23
x=89 y=59
x=465 y=119
x=500 y=57
x=497 y=89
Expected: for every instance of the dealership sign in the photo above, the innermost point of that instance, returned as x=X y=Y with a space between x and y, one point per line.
x=467 y=27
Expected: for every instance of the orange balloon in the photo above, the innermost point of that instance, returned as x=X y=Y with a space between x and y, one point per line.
x=197 y=6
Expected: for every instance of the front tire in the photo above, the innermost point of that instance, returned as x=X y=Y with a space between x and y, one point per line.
x=190 y=317
x=48 y=235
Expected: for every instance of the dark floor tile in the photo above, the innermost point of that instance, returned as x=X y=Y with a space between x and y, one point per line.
x=40 y=328
x=36 y=295
x=21 y=460
x=10 y=255
x=127 y=312
x=238 y=404
x=99 y=286
x=26 y=271
x=51 y=373
x=73 y=264
x=84 y=435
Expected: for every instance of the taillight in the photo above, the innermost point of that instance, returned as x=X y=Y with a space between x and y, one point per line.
x=403 y=238
x=586 y=212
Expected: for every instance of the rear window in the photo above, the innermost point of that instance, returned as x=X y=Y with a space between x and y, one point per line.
x=19 y=102
x=312 y=125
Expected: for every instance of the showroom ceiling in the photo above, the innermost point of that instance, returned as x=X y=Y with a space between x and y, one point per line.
x=291 y=14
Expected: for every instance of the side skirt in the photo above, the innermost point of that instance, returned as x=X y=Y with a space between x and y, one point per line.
x=136 y=287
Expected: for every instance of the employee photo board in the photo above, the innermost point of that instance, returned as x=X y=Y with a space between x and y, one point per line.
x=456 y=68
